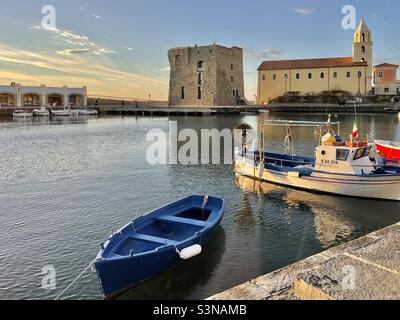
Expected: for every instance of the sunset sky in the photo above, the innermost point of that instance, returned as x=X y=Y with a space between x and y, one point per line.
x=119 y=48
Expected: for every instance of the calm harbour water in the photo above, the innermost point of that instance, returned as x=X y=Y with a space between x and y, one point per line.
x=65 y=185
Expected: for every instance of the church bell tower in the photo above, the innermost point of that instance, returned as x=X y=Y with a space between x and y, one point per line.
x=362 y=50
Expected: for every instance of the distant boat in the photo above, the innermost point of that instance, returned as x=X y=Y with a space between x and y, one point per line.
x=157 y=241
x=42 y=112
x=60 y=113
x=22 y=114
x=87 y=112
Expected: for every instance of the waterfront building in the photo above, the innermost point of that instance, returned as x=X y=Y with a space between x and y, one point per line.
x=312 y=76
x=17 y=96
x=385 y=79
x=206 y=76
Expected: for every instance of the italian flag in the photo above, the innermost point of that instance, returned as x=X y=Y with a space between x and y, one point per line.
x=355 y=128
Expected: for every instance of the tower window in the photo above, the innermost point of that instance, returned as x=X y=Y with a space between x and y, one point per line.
x=348 y=74
x=359 y=74
x=199 y=91
x=200 y=80
x=335 y=74
x=297 y=76
x=322 y=75
x=237 y=93
x=274 y=77
x=231 y=79
x=363 y=37
x=310 y=75
x=362 y=60
x=177 y=59
x=263 y=77
x=232 y=66
x=200 y=66
x=183 y=93
x=363 y=50
x=234 y=92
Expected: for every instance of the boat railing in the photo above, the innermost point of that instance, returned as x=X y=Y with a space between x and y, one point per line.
x=280 y=162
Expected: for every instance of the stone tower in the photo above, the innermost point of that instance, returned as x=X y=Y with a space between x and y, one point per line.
x=206 y=76
x=362 y=50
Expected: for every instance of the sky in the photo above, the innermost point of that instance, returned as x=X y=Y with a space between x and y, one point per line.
x=119 y=48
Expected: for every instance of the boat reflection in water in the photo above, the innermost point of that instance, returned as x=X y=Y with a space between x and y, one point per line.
x=336 y=219
x=186 y=278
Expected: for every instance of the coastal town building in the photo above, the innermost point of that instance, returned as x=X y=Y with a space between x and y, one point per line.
x=206 y=76
x=312 y=76
x=17 y=95
x=385 y=79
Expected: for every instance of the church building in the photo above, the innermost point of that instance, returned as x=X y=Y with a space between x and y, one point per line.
x=312 y=76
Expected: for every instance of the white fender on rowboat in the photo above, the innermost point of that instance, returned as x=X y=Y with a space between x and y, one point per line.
x=190 y=252
x=261 y=170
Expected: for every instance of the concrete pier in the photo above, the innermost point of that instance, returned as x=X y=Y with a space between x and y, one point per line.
x=364 y=269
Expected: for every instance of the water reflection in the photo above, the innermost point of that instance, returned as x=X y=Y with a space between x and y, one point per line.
x=181 y=281
x=336 y=219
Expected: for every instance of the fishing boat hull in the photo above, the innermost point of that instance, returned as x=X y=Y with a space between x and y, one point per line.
x=155 y=242
x=383 y=187
x=390 y=150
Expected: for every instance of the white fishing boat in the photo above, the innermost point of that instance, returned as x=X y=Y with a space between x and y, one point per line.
x=42 y=112
x=22 y=114
x=340 y=167
x=87 y=112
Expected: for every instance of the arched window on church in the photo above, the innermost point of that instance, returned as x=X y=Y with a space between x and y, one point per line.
x=322 y=75
x=363 y=37
x=310 y=75
x=359 y=74
x=335 y=74
x=363 y=49
x=297 y=76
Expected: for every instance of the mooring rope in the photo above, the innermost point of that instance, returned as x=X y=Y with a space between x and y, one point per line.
x=73 y=282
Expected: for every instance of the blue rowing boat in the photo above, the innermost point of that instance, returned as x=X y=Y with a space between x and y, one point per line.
x=156 y=241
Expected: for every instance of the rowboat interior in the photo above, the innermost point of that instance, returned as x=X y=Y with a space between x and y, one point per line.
x=160 y=231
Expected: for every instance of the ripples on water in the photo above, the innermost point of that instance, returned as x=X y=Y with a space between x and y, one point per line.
x=64 y=186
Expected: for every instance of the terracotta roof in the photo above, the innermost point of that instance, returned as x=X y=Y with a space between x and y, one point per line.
x=310 y=63
x=386 y=65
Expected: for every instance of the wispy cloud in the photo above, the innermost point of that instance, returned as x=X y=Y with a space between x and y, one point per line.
x=166 y=69
x=96 y=16
x=304 y=11
x=265 y=54
x=129 y=48
x=76 y=43
x=99 y=74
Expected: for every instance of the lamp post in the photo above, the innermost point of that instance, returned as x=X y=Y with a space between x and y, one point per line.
x=286 y=78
